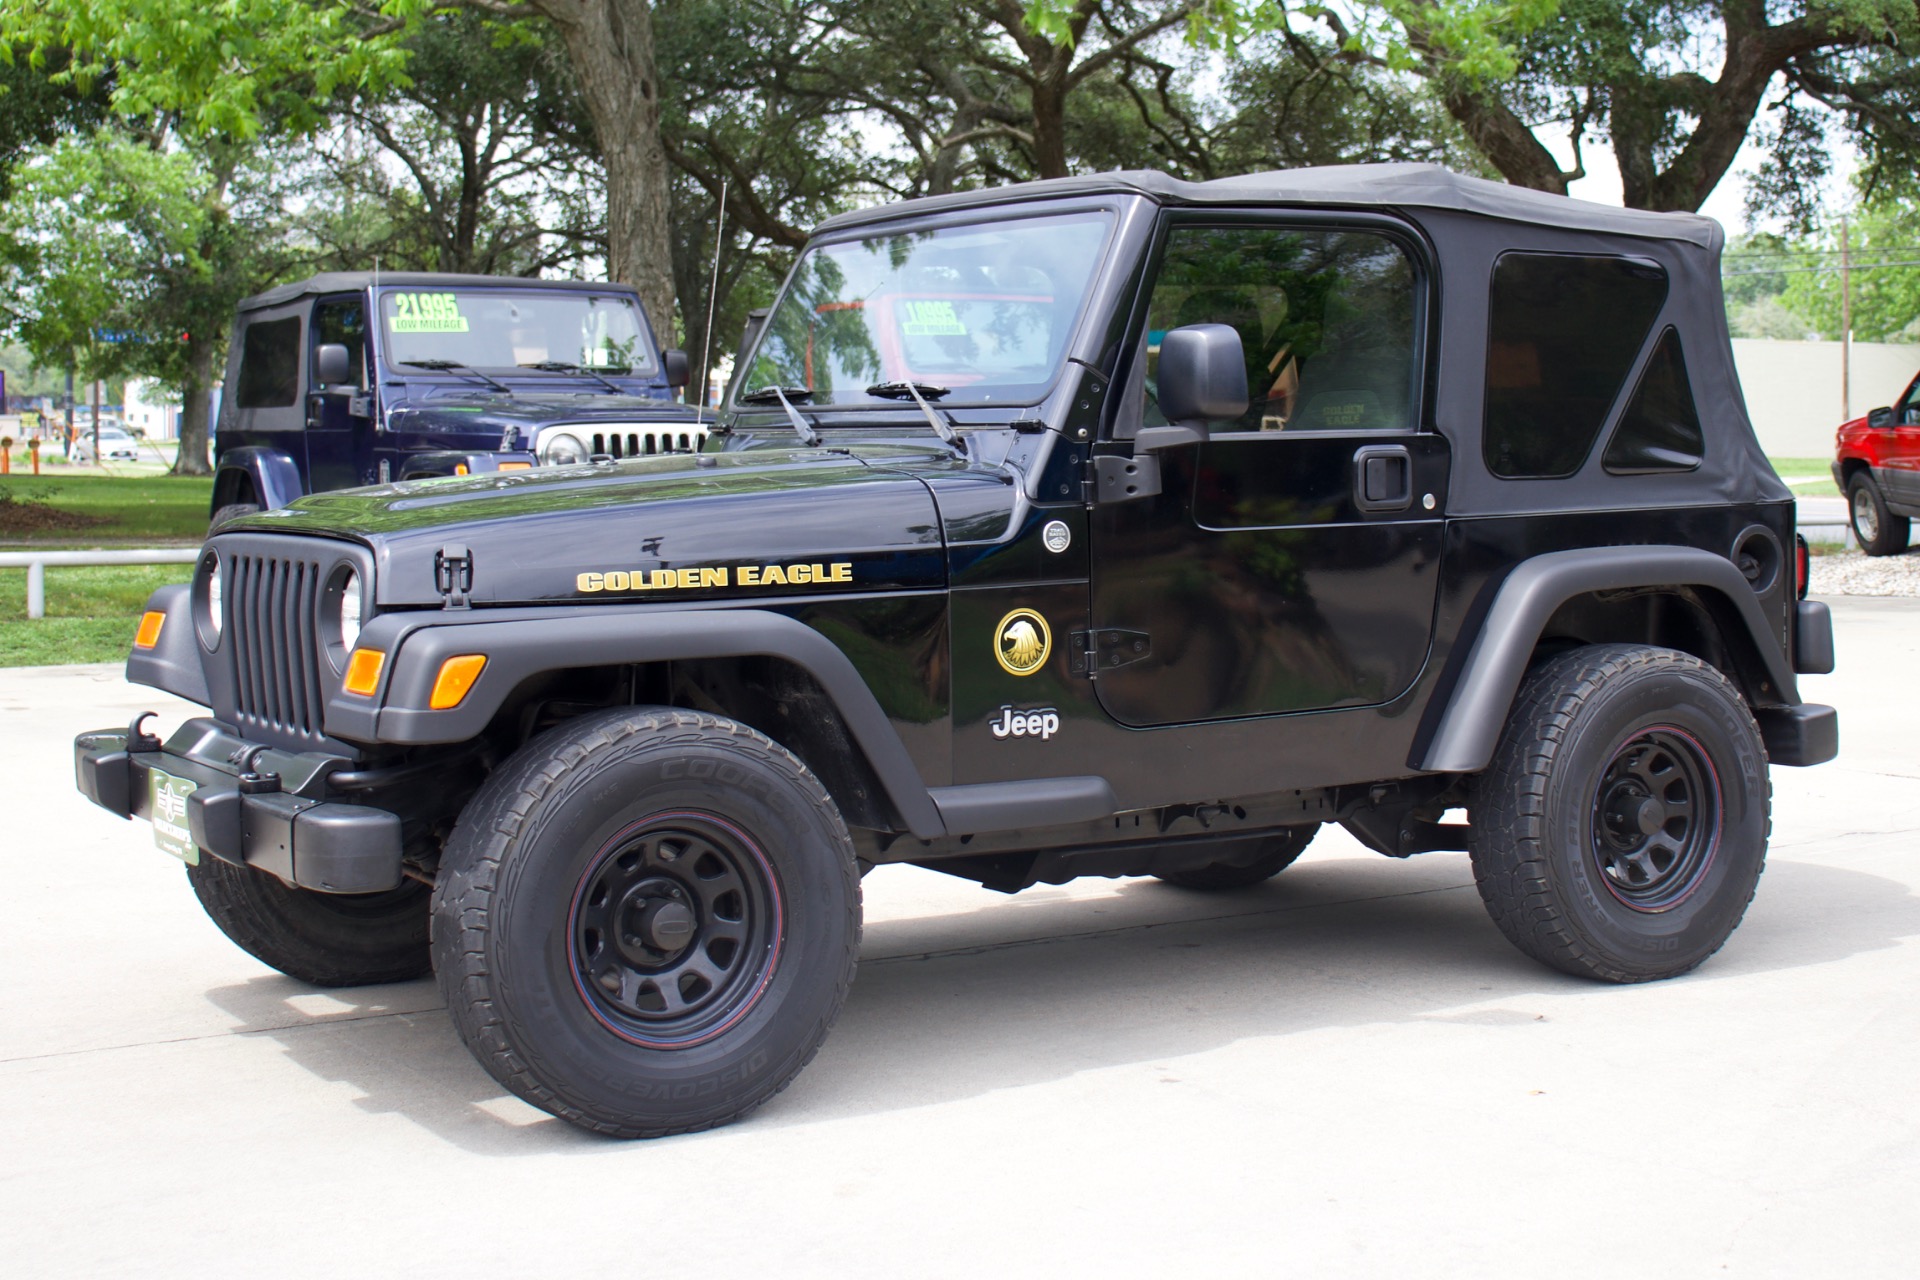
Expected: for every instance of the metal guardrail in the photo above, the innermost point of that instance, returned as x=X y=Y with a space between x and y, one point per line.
x=36 y=562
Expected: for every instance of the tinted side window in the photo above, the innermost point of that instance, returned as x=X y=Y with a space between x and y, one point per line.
x=1563 y=335
x=270 y=364
x=344 y=320
x=1660 y=431
x=1326 y=322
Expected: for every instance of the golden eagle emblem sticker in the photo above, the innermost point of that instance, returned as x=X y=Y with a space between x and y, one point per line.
x=1022 y=642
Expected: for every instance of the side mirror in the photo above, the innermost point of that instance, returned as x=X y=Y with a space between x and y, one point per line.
x=331 y=365
x=673 y=363
x=1203 y=379
x=1880 y=417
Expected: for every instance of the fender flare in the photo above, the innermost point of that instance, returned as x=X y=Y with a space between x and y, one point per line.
x=1466 y=733
x=272 y=474
x=537 y=641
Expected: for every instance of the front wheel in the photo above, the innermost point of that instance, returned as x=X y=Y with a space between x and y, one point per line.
x=327 y=939
x=647 y=920
x=1879 y=531
x=1621 y=828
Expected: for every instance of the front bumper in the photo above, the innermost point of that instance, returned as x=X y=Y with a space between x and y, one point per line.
x=273 y=815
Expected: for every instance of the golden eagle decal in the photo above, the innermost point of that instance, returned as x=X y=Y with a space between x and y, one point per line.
x=1023 y=642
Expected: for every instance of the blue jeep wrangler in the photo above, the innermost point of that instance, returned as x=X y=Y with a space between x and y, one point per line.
x=455 y=375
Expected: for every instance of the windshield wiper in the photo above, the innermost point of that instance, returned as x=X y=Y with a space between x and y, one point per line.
x=561 y=366
x=760 y=395
x=920 y=391
x=454 y=366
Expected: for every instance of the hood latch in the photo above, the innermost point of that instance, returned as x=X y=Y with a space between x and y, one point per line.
x=453 y=575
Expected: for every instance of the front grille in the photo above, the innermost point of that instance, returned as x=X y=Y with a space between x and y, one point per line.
x=273 y=605
x=639 y=444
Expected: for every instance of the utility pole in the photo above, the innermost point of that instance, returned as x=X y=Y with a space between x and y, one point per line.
x=1846 y=324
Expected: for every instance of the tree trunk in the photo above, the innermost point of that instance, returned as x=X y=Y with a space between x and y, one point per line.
x=610 y=43
x=1050 y=128
x=194 y=427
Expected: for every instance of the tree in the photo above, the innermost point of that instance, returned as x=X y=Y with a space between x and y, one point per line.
x=1883 y=242
x=125 y=257
x=1676 y=87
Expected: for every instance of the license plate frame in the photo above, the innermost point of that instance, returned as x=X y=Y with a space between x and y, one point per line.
x=167 y=812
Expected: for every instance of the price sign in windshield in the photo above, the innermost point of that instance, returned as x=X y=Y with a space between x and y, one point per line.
x=426 y=313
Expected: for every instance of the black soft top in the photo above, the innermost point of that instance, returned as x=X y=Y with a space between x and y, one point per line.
x=354 y=281
x=1358 y=186
x=1471 y=223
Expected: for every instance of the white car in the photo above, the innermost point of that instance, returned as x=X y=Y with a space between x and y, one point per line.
x=115 y=445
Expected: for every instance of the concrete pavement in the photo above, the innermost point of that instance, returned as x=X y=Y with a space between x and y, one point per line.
x=1345 y=1072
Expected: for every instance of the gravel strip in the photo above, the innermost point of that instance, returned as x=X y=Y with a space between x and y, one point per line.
x=1852 y=573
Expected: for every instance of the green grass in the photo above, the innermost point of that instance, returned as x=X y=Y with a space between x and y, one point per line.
x=133 y=510
x=91 y=612
x=1819 y=481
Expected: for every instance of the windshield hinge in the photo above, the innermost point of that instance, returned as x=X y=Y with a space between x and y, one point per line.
x=453 y=575
x=1091 y=652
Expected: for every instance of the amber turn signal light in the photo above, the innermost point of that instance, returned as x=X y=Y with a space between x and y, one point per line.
x=455 y=679
x=515 y=466
x=149 y=633
x=363 y=672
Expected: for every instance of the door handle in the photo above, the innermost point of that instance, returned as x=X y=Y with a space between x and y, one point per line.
x=1383 y=478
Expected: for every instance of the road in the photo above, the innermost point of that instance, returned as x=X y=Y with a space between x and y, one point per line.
x=1345 y=1073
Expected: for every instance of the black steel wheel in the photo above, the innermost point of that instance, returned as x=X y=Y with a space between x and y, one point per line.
x=675 y=927
x=1879 y=531
x=646 y=921
x=1248 y=862
x=328 y=939
x=1622 y=826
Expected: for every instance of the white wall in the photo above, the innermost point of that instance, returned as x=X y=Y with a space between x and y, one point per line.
x=150 y=410
x=1793 y=388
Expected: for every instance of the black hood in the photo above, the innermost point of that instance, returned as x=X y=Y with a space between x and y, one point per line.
x=536 y=536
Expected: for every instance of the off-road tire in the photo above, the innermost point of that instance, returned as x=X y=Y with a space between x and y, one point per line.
x=1879 y=531
x=523 y=958
x=327 y=939
x=1275 y=853
x=1592 y=730
x=232 y=511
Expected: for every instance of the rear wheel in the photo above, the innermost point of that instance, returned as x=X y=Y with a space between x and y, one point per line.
x=328 y=939
x=647 y=920
x=1879 y=531
x=1252 y=861
x=1621 y=828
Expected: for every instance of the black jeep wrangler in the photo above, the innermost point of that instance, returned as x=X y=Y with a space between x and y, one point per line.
x=1108 y=526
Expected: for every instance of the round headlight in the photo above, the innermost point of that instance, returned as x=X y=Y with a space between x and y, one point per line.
x=349 y=623
x=563 y=450
x=207 y=612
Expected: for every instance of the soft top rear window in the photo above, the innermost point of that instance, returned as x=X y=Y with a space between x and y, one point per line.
x=1563 y=334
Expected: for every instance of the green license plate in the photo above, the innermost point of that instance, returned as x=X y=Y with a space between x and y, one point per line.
x=168 y=813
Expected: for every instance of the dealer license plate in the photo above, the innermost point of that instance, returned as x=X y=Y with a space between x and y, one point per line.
x=168 y=813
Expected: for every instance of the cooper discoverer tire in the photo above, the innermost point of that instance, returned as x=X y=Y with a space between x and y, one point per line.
x=646 y=921
x=1276 y=854
x=1880 y=532
x=1622 y=825
x=327 y=939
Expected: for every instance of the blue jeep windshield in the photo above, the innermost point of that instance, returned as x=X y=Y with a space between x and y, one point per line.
x=505 y=329
x=985 y=310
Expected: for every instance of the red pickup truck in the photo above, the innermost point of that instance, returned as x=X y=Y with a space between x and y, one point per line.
x=1876 y=463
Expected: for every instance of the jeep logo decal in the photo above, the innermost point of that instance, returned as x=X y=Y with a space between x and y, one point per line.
x=1041 y=722
x=1022 y=642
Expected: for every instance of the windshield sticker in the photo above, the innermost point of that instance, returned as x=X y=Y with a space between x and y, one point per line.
x=746 y=575
x=931 y=320
x=426 y=313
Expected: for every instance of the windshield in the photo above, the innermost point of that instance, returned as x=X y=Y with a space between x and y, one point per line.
x=505 y=329
x=983 y=311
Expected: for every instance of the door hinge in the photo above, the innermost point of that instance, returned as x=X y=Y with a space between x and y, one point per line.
x=1104 y=649
x=1111 y=478
x=453 y=575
